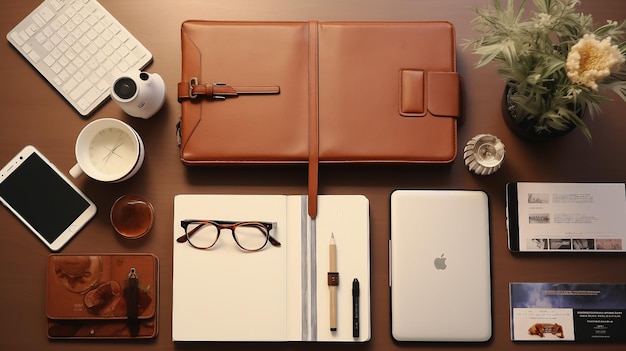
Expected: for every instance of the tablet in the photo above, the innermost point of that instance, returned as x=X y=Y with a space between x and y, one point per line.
x=440 y=266
x=34 y=190
x=566 y=217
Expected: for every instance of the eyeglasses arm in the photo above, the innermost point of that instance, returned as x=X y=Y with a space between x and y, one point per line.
x=273 y=240
x=184 y=237
x=269 y=227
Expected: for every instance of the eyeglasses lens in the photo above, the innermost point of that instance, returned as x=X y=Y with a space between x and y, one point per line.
x=251 y=236
x=204 y=234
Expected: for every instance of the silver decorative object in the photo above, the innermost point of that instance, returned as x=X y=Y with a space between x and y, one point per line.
x=484 y=154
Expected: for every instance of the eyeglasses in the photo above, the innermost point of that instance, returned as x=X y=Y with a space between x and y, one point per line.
x=249 y=236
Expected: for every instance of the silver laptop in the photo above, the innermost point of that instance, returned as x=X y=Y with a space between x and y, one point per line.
x=440 y=266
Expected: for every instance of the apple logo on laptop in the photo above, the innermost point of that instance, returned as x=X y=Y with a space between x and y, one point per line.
x=440 y=262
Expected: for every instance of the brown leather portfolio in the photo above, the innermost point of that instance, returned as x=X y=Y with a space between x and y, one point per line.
x=318 y=92
x=102 y=296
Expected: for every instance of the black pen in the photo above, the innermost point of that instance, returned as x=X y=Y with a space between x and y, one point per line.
x=355 y=308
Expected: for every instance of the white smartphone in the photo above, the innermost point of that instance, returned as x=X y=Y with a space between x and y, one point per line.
x=43 y=198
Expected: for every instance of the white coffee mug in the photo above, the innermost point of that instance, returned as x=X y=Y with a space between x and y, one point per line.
x=108 y=150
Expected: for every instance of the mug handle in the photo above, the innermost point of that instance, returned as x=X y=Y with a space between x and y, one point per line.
x=76 y=171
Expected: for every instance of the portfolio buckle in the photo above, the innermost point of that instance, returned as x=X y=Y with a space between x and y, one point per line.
x=220 y=91
x=216 y=95
x=192 y=82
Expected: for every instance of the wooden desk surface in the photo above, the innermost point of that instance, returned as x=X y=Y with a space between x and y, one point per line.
x=31 y=112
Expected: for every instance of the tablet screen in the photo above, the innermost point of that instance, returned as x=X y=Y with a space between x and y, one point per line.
x=42 y=198
x=566 y=216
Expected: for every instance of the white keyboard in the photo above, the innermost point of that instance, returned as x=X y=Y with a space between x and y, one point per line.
x=79 y=47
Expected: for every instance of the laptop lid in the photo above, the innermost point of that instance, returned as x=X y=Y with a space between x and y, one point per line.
x=440 y=275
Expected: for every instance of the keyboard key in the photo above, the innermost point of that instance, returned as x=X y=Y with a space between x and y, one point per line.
x=63 y=19
x=78 y=62
x=63 y=32
x=83 y=104
x=92 y=48
x=70 y=12
x=55 y=39
x=24 y=35
x=92 y=34
x=55 y=25
x=123 y=51
x=56 y=5
x=27 y=48
x=93 y=78
x=56 y=68
x=48 y=46
x=123 y=66
x=98 y=27
x=63 y=47
x=70 y=40
x=77 y=5
x=103 y=85
x=101 y=57
x=86 y=70
x=56 y=53
x=79 y=76
x=17 y=38
x=32 y=29
x=80 y=90
x=92 y=95
x=100 y=72
x=46 y=13
x=34 y=57
x=71 y=27
x=70 y=69
x=39 y=20
x=63 y=76
x=100 y=42
x=115 y=58
x=64 y=61
x=114 y=28
x=48 y=32
x=49 y=60
x=84 y=40
x=41 y=38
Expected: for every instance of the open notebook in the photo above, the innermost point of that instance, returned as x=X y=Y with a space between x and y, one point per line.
x=277 y=293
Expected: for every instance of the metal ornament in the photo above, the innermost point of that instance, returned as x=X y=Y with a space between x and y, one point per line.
x=484 y=154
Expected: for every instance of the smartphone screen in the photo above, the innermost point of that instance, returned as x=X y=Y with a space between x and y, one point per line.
x=43 y=199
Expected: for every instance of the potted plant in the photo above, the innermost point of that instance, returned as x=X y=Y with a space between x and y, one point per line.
x=555 y=64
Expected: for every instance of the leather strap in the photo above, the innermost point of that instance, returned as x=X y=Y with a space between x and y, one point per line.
x=313 y=121
x=428 y=91
x=193 y=89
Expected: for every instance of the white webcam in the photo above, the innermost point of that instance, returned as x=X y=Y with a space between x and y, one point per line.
x=139 y=94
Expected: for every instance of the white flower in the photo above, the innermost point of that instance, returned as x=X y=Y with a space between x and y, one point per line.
x=590 y=61
x=544 y=21
x=572 y=93
x=533 y=78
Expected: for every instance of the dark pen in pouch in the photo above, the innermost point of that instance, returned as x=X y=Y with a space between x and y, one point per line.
x=132 y=302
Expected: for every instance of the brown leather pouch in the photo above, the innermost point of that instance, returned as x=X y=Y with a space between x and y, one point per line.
x=102 y=296
x=318 y=92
